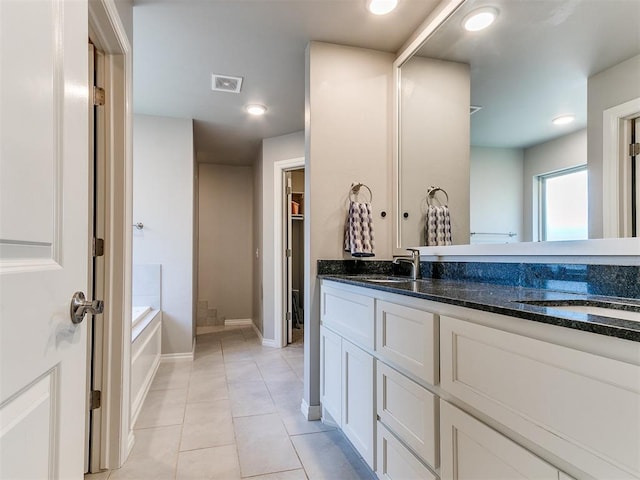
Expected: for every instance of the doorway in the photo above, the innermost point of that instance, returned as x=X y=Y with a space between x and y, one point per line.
x=293 y=220
x=279 y=261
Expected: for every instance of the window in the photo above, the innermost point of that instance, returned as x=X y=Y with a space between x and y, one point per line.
x=563 y=205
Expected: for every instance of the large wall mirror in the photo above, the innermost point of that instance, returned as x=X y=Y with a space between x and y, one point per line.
x=480 y=118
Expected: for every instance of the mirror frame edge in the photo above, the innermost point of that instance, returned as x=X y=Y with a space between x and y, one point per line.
x=437 y=17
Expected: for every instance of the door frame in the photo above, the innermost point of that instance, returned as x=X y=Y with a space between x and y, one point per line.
x=279 y=167
x=615 y=172
x=107 y=32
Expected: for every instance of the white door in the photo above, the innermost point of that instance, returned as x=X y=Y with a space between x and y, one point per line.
x=43 y=236
x=288 y=258
x=636 y=178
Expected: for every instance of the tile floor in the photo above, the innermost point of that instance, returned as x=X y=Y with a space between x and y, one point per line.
x=233 y=413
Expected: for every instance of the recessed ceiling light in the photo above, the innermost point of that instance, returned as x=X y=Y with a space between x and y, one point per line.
x=563 y=119
x=381 y=7
x=480 y=19
x=256 y=109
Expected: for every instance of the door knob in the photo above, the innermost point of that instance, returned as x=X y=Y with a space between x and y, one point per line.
x=80 y=306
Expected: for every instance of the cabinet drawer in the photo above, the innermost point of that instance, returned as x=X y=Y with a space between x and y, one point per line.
x=396 y=462
x=472 y=450
x=410 y=411
x=581 y=407
x=349 y=314
x=407 y=337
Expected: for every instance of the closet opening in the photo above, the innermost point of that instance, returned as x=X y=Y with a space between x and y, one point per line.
x=293 y=255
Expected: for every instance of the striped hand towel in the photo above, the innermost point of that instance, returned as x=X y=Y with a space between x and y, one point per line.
x=358 y=231
x=438 y=226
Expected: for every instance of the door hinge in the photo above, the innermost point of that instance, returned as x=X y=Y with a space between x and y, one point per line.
x=288 y=253
x=95 y=399
x=289 y=190
x=98 y=247
x=634 y=149
x=288 y=316
x=98 y=96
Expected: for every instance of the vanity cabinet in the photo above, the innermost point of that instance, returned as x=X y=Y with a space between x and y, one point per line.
x=388 y=351
x=457 y=393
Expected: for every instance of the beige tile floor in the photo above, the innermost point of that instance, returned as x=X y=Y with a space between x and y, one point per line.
x=233 y=413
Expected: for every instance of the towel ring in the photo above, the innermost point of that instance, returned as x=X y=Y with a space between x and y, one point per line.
x=355 y=191
x=431 y=195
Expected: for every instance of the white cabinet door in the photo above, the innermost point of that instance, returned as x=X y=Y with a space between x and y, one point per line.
x=331 y=374
x=357 y=400
x=473 y=451
x=43 y=236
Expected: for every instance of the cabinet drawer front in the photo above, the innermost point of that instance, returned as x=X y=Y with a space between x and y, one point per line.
x=472 y=450
x=579 y=406
x=395 y=462
x=410 y=411
x=407 y=338
x=349 y=314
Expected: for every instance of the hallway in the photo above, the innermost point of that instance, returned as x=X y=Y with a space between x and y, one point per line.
x=231 y=413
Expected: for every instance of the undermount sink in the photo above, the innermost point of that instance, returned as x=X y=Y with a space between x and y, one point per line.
x=387 y=280
x=602 y=309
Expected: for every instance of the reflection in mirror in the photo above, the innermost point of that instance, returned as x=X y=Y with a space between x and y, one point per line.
x=476 y=113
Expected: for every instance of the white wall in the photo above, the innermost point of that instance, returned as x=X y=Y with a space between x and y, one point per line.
x=274 y=149
x=163 y=192
x=225 y=267
x=558 y=154
x=348 y=131
x=606 y=89
x=496 y=206
x=434 y=138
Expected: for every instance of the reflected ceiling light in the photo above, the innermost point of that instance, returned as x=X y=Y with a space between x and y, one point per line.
x=563 y=119
x=381 y=7
x=256 y=109
x=480 y=19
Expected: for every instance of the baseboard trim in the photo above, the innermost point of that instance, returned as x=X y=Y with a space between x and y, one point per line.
x=131 y=441
x=310 y=412
x=174 y=357
x=266 y=342
x=238 y=321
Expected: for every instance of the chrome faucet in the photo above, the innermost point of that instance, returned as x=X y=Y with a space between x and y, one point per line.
x=413 y=260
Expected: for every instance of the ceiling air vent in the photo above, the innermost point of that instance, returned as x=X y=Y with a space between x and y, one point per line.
x=225 y=83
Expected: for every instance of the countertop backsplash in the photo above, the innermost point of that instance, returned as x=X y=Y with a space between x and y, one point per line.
x=607 y=280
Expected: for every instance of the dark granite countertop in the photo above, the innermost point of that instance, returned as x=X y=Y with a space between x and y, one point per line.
x=507 y=300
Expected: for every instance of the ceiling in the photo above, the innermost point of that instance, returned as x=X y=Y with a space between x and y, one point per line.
x=533 y=63
x=178 y=44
